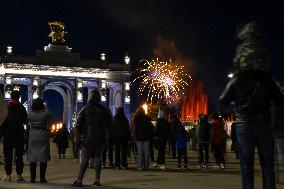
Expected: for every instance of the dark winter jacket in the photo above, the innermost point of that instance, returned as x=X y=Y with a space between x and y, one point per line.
x=203 y=131
x=163 y=129
x=62 y=136
x=120 y=129
x=93 y=123
x=143 y=127
x=13 y=127
x=182 y=137
x=252 y=92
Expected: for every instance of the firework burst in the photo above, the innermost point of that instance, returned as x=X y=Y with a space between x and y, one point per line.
x=162 y=80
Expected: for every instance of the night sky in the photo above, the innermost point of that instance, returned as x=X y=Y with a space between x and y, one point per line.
x=198 y=33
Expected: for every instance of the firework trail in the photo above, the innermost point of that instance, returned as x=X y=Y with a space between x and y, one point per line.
x=162 y=80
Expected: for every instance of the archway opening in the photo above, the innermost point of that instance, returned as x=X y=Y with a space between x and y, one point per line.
x=55 y=103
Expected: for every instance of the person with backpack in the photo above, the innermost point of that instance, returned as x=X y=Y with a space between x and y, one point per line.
x=93 y=123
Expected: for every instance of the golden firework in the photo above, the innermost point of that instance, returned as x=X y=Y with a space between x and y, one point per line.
x=162 y=80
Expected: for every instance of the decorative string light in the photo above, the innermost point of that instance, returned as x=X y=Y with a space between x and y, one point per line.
x=40 y=70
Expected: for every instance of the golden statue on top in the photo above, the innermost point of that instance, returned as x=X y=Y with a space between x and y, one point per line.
x=57 y=32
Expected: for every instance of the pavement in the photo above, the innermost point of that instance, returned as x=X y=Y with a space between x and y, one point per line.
x=62 y=172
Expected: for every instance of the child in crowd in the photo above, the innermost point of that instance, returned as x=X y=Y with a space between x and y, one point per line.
x=182 y=138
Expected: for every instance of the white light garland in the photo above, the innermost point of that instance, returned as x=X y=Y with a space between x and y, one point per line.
x=43 y=70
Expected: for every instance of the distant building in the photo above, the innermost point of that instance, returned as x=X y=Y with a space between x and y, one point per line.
x=59 y=69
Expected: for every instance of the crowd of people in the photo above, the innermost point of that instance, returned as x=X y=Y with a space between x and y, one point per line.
x=97 y=134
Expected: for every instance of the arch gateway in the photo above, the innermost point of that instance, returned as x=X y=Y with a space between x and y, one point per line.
x=57 y=68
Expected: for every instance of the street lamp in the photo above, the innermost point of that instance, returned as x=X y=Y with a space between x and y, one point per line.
x=127 y=59
x=230 y=75
x=103 y=56
x=9 y=50
x=145 y=107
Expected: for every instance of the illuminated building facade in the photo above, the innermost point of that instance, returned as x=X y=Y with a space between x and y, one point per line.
x=57 y=68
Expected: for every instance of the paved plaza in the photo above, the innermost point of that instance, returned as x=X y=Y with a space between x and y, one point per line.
x=62 y=172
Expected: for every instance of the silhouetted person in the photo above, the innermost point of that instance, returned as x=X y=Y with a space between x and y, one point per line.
x=182 y=138
x=252 y=89
x=120 y=136
x=14 y=136
x=203 y=133
x=143 y=134
x=92 y=123
x=62 y=140
x=217 y=139
x=175 y=124
x=39 y=148
x=162 y=133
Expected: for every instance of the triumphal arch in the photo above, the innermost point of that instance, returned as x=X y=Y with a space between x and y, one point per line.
x=57 y=68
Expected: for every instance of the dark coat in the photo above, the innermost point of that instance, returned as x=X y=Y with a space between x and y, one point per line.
x=163 y=130
x=120 y=129
x=203 y=131
x=13 y=127
x=143 y=128
x=61 y=137
x=93 y=123
x=252 y=92
x=175 y=124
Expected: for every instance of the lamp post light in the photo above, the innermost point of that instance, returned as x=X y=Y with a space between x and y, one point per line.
x=230 y=75
x=145 y=107
x=8 y=80
x=9 y=50
x=103 y=91
x=103 y=56
x=127 y=92
x=126 y=59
